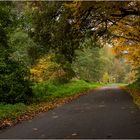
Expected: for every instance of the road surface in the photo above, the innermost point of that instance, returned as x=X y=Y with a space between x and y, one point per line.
x=108 y=112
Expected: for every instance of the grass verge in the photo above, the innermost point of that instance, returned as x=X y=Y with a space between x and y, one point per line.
x=117 y=84
x=47 y=96
x=49 y=92
x=134 y=91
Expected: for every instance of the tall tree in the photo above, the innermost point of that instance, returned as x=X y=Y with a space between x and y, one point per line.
x=14 y=87
x=52 y=29
x=119 y=22
x=90 y=63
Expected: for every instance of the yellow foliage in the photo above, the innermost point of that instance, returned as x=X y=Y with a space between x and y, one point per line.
x=37 y=72
x=135 y=94
x=131 y=77
x=76 y=10
x=128 y=41
x=46 y=69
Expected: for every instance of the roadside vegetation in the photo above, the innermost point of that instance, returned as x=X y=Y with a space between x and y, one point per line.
x=46 y=96
x=134 y=90
x=49 y=92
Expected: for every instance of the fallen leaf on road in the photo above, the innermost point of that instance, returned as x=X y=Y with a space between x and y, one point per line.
x=35 y=129
x=41 y=107
x=101 y=106
x=42 y=136
x=54 y=117
x=74 y=134
x=122 y=107
x=132 y=112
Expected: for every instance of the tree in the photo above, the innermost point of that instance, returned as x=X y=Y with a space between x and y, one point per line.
x=79 y=19
x=98 y=17
x=118 y=70
x=14 y=86
x=106 y=78
x=24 y=48
x=55 y=32
x=76 y=19
x=118 y=22
x=90 y=65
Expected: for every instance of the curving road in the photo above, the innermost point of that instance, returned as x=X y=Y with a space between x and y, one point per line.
x=108 y=112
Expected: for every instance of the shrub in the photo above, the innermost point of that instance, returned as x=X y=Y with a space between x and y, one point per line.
x=14 y=87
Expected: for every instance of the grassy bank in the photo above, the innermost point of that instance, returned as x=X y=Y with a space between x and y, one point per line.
x=134 y=90
x=116 y=84
x=47 y=96
x=49 y=92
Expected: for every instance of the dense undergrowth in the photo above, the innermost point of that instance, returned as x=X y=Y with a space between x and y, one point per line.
x=134 y=90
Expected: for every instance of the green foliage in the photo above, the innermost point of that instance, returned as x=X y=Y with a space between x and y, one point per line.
x=47 y=91
x=106 y=78
x=55 y=32
x=135 y=85
x=6 y=16
x=137 y=73
x=134 y=89
x=14 y=86
x=90 y=64
x=28 y=32
x=59 y=72
x=119 y=70
x=12 y=111
x=23 y=46
x=98 y=64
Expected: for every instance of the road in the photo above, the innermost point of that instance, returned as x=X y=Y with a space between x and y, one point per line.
x=108 y=112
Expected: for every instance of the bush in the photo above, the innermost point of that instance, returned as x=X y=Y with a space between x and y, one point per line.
x=14 y=87
x=135 y=85
x=59 y=74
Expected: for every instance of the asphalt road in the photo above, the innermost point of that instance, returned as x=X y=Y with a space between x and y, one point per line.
x=104 y=113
